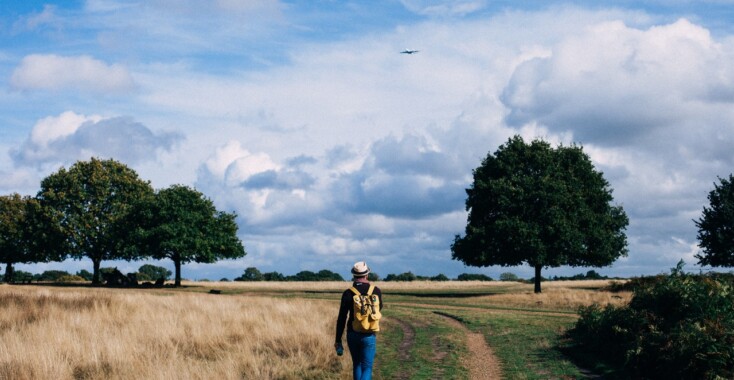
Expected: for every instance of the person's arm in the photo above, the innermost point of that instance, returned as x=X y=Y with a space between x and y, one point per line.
x=341 y=320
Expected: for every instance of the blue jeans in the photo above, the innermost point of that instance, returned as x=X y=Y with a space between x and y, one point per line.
x=362 y=348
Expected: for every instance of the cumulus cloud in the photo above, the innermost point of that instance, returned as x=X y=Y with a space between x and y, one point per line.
x=83 y=73
x=615 y=85
x=403 y=178
x=70 y=137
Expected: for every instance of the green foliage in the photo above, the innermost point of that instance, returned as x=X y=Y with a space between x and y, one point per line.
x=678 y=327
x=70 y=278
x=53 y=275
x=322 y=275
x=148 y=272
x=85 y=274
x=273 y=276
x=440 y=277
x=716 y=226
x=372 y=276
x=26 y=233
x=473 y=277
x=90 y=202
x=590 y=275
x=181 y=224
x=23 y=276
x=407 y=276
x=546 y=207
x=509 y=276
x=251 y=274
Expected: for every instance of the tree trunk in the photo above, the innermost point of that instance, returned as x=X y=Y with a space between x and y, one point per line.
x=537 y=278
x=177 y=262
x=95 y=275
x=9 y=273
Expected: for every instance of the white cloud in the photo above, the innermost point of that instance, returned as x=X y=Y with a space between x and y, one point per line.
x=70 y=137
x=84 y=73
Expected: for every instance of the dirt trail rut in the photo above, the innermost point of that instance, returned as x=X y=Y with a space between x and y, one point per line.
x=482 y=362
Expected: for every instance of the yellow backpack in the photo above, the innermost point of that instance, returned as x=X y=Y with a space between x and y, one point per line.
x=366 y=311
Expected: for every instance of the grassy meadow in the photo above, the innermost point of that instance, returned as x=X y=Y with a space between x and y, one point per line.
x=266 y=330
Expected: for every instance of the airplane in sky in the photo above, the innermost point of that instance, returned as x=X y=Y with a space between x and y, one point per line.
x=407 y=51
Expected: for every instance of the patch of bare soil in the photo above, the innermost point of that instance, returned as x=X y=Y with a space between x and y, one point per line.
x=482 y=362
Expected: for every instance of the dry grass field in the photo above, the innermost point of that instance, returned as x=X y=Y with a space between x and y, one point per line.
x=253 y=330
x=85 y=333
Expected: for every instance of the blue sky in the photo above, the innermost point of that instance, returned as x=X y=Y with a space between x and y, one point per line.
x=302 y=116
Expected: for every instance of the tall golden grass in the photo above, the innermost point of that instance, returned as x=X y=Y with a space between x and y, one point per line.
x=63 y=333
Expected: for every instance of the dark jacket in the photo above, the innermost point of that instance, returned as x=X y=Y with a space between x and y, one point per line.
x=345 y=309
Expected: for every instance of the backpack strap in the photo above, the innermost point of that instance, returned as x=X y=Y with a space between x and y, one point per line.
x=369 y=291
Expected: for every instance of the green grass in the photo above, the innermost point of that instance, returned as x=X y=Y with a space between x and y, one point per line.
x=528 y=345
x=434 y=353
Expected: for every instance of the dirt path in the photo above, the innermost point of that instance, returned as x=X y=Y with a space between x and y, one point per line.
x=482 y=362
x=405 y=345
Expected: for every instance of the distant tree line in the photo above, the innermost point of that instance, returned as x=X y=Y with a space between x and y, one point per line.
x=254 y=274
x=101 y=210
x=146 y=272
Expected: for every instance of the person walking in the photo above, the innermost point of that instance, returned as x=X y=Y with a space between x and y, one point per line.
x=360 y=310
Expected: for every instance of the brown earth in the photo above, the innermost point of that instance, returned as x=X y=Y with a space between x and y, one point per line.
x=482 y=362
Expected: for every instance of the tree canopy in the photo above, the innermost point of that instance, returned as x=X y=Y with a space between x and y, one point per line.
x=181 y=224
x=27 y=234
x=90 y=201
x=716 y=226
x=546 y=207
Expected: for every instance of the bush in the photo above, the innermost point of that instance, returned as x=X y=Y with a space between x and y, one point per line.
x=85 y=274
x=678 y=327
x=439 y=277
x=70 y=278
x=407 y=276
x=508 y=276
x=153 y=272
x=54 y=275
x=473 y=277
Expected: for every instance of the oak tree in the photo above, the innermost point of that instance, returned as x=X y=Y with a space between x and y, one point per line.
x=716 y=226
x=181 y=224
x=27 y=234
x=90 y=201
x=542 y=206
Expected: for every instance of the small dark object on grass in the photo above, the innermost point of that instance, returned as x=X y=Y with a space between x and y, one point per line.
x=215 y=291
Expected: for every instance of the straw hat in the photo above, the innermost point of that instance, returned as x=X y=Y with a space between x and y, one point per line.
x=360 y=269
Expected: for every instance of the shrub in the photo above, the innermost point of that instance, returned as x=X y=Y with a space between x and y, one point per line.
x=508 y=276
x=678 y=327
x=54 y=275
x=439 y=277
x=473 y=277
x=153 y=272
x=85 y=274
x=70 y=278
x=407 y=276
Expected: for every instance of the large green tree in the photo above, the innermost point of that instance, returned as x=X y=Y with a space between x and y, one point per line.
x=716 y=226
x=27 y=234
x=183 y=225
x=90 y=200
x=543 y=206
